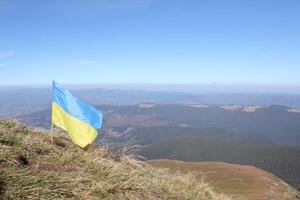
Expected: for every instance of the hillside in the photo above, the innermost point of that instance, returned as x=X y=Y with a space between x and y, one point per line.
x=283 y=161
x=33 y=168
x=239 y=181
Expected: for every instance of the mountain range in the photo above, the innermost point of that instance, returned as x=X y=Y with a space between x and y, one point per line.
x=267 y=137
x=19 y=101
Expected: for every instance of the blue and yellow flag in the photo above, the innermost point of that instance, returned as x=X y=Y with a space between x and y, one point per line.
x=78 y=118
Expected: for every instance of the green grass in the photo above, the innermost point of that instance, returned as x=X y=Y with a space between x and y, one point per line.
x=33 y=168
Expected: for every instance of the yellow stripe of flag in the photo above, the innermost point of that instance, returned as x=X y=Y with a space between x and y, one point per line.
x=80 y=133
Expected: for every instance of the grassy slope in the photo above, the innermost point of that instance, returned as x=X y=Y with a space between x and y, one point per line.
x=33 y=168
x=238 y=181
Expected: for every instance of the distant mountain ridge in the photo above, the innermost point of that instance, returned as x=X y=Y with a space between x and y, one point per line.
x=257 y=124
x=16 y=102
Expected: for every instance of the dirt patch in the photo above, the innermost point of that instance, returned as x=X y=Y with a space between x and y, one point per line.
x=23 y=160
x=61 y=142
x=198 y=105
x=2 y=162
x=2 y=186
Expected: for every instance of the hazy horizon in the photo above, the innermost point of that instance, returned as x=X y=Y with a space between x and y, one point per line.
x=182 y=88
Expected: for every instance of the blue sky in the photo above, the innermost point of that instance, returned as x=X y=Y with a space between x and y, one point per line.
x=252 y=42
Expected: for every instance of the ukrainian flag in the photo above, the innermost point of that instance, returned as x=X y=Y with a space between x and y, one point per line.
x=78 y=118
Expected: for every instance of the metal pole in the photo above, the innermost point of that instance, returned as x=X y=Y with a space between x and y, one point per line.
x=51 y=133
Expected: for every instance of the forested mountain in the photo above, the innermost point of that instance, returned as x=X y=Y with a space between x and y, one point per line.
x=252 y=124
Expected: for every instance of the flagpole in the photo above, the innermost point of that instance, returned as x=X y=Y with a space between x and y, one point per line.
x=51 y=133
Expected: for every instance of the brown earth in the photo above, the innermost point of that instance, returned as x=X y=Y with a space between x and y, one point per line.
x=238 y=181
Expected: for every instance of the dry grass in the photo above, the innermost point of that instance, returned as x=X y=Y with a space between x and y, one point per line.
x=33 y=168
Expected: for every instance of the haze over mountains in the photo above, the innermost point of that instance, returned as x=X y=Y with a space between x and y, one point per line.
x=262 y=130
x=17 y=101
